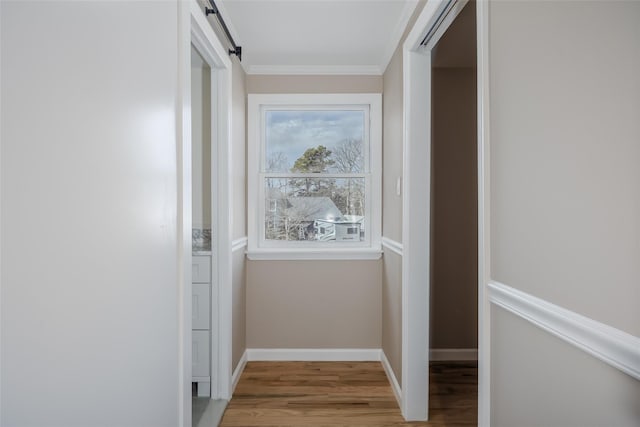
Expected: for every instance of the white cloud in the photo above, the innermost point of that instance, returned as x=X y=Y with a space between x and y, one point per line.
x=293 y=132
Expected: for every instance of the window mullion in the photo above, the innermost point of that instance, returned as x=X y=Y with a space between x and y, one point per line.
x=313 y=175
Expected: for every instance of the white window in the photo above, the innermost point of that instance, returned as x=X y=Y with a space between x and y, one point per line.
x=314 y=174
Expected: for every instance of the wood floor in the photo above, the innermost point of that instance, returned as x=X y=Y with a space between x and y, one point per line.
x=345 y=394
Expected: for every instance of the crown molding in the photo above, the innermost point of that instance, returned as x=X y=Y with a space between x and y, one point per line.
x=361 y=70
x=397 y=33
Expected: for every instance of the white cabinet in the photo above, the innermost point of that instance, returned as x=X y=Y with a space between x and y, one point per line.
x=200 y=349
x=201 y=323
x=201 y=269
x=201 y=299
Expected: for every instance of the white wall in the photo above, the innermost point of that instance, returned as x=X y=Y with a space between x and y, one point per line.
x=88 y=227
x=565 y=202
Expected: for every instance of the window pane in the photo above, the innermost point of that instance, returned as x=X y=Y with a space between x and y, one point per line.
x=314 y=141
x=315 y=209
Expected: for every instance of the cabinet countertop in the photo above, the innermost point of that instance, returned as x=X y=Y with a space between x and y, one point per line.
x=200 y=252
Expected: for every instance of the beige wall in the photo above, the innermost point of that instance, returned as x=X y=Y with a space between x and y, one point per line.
x=239 y=216
x=539 y=380
x=564 y=154
x=239 y=307
x=565 y=201
x=313 y=304
x=313 y=84
x=239 y=151
x=392 y=311
x=392 y=111
x=454 y=242
x=200 y=141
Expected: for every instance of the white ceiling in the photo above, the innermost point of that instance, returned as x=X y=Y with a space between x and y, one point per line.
x=316 y=36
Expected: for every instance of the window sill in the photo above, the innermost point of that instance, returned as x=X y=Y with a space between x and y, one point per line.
x=288 y=254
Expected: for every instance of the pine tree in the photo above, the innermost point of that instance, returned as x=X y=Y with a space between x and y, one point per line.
x=314 y=160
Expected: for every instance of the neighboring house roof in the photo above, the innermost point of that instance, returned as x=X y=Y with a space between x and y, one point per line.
x=274 y=193
x=312 y=208
x=347 y=219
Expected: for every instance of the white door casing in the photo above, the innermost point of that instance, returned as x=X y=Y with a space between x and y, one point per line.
x=434 y=21
x=195 y=29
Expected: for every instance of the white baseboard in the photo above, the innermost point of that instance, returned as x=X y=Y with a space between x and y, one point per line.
x=395 y=386
x=314 y=354
x=446 y=354
x=238 y=371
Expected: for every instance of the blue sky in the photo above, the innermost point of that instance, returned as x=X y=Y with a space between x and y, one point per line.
x=293 y=132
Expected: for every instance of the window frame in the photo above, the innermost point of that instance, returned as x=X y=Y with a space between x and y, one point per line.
x=260 y=248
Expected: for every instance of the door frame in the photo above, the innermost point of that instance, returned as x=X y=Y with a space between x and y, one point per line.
x=194 y=28
x=417 y=205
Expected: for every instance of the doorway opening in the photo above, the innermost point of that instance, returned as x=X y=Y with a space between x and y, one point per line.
x=203 y=340
x=445 y=220
x=204 y=220
x=454 y=216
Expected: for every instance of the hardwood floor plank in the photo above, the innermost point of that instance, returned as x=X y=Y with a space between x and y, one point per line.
x=345 y=394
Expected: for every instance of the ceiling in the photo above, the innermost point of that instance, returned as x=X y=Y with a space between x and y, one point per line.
x=316 y=36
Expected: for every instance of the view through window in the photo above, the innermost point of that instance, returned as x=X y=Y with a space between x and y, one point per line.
x=314 y=171
x=315 y=174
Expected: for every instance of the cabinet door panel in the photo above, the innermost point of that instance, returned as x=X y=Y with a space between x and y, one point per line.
x=200 y=354
x=201 y=269
x=200 y=306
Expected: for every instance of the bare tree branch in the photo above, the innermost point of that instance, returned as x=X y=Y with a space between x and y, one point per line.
x=348 y=156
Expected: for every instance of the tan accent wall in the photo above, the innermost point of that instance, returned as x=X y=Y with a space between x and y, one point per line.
x=454 y=219
x=392 y=311
x=392 y=213
x=200 y=141
x=565 y=181
x=392 y=157
x=313 y=84
x=539 y=380
x=392 y=111
x=239 y=307
x=565 y=202
x=313 y=304
x=239 y=150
